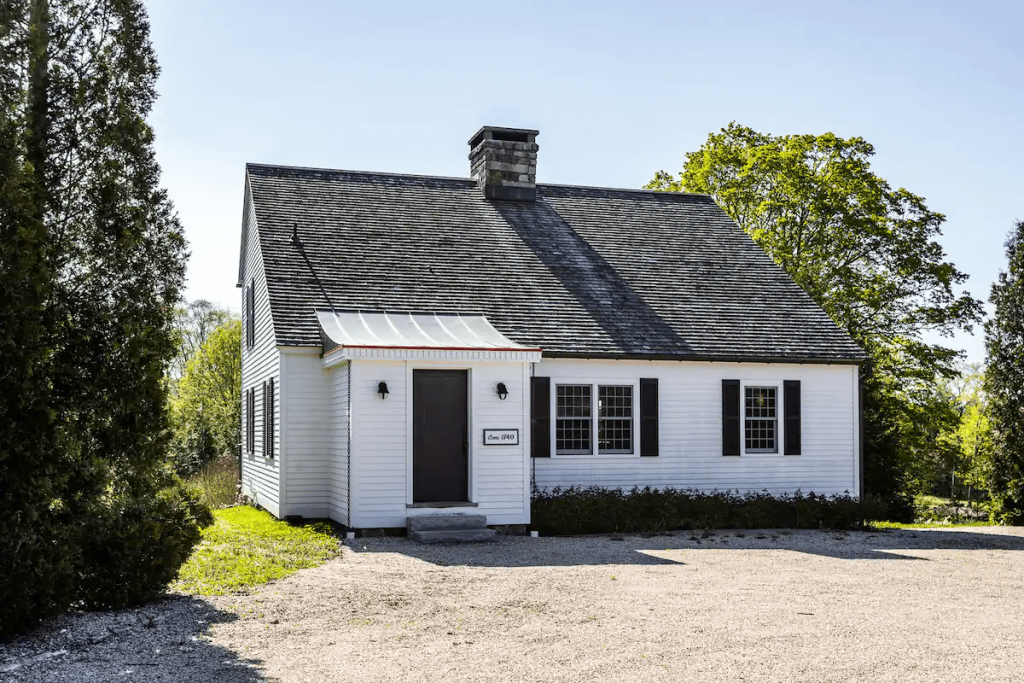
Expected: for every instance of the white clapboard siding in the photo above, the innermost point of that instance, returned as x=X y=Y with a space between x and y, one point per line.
x=341 y=425
x=261 y=477
x=690 y=430
x=382 y=445
x=306 y=446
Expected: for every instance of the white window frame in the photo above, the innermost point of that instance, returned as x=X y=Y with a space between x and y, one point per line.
x=780 y=436
x=595 y=418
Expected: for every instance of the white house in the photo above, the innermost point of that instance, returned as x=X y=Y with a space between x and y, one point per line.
x=421 y=345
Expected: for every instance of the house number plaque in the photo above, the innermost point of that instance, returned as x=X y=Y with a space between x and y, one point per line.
x=501 y=437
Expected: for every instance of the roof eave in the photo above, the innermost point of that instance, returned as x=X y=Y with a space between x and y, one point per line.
x=798 y=360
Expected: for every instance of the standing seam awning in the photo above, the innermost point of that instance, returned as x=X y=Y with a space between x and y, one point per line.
x=380 y=329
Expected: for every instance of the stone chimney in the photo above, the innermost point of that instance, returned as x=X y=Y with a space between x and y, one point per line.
x=503 y=162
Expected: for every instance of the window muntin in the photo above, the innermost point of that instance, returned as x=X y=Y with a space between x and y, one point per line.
x=760 y=419
x=615 y=419
x=573 y=419
x=577 y=430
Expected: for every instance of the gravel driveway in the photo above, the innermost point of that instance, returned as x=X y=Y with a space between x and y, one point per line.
x=902 y=606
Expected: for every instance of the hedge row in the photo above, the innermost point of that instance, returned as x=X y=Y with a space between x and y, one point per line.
x=593 y=510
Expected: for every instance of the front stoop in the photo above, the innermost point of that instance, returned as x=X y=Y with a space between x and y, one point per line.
x=449 y=529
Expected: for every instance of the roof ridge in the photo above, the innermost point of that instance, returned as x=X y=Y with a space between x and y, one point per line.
x=421 y=176
x=640 y=190
x=314 y=169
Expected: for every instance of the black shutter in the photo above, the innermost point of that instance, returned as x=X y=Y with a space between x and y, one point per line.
x=791 y=406
x=245 y=317
x=252 y=314
x=540 y=417
x=649 y=416
x=270 y=418
x=250 y=420
x=730 y=417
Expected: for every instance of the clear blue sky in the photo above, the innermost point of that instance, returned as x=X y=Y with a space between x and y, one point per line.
x=617 y=90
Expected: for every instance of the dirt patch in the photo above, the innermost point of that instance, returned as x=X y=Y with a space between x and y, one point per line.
x=746 y=606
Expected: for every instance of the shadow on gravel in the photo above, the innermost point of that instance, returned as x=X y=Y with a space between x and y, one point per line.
x=516 y=551
x=646 y=549
x=865 y=545
x=165 y=640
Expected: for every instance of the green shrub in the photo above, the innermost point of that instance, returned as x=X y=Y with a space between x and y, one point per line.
x=579 y=510
x=217 y=483
x=138 y=543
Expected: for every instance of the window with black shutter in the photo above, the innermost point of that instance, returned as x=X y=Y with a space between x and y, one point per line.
x=649 y=417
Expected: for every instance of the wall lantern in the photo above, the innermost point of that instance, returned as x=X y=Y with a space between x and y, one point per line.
x=502 y=391
x=382 y=389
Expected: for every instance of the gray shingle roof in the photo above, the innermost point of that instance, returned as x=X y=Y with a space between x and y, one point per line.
x=583 y=271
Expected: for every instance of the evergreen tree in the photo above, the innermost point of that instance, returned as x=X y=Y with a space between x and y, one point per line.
x=36 y=566
x=1004 y=384
x=97 y=257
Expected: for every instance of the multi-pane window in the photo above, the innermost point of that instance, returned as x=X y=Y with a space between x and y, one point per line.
x=573 y=419
x=760 y=419
x=575 y=426
x=615 y=419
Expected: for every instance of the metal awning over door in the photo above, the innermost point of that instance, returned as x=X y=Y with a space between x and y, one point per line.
x=370 y=334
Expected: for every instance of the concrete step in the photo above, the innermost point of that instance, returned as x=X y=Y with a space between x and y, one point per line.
x=454 y=536
x=444 y=522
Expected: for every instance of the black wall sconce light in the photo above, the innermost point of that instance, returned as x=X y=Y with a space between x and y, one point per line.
x=382 y=389
x=502 y=391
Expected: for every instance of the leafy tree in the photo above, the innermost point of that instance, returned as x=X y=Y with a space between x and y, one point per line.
x=975 y=438
x=207 y=410
x=1004 y=383
x=867 y=254
x=962 y=453
x=193 y=324
x=98 y=258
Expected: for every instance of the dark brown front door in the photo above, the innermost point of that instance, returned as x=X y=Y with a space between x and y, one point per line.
x=440 y=438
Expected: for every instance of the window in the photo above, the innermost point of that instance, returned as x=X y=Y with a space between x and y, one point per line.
x=760 y=419
x=573 y=421
x=615 y=419
x=575 y=428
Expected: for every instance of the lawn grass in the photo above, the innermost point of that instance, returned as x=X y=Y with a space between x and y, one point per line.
x=247 y=547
